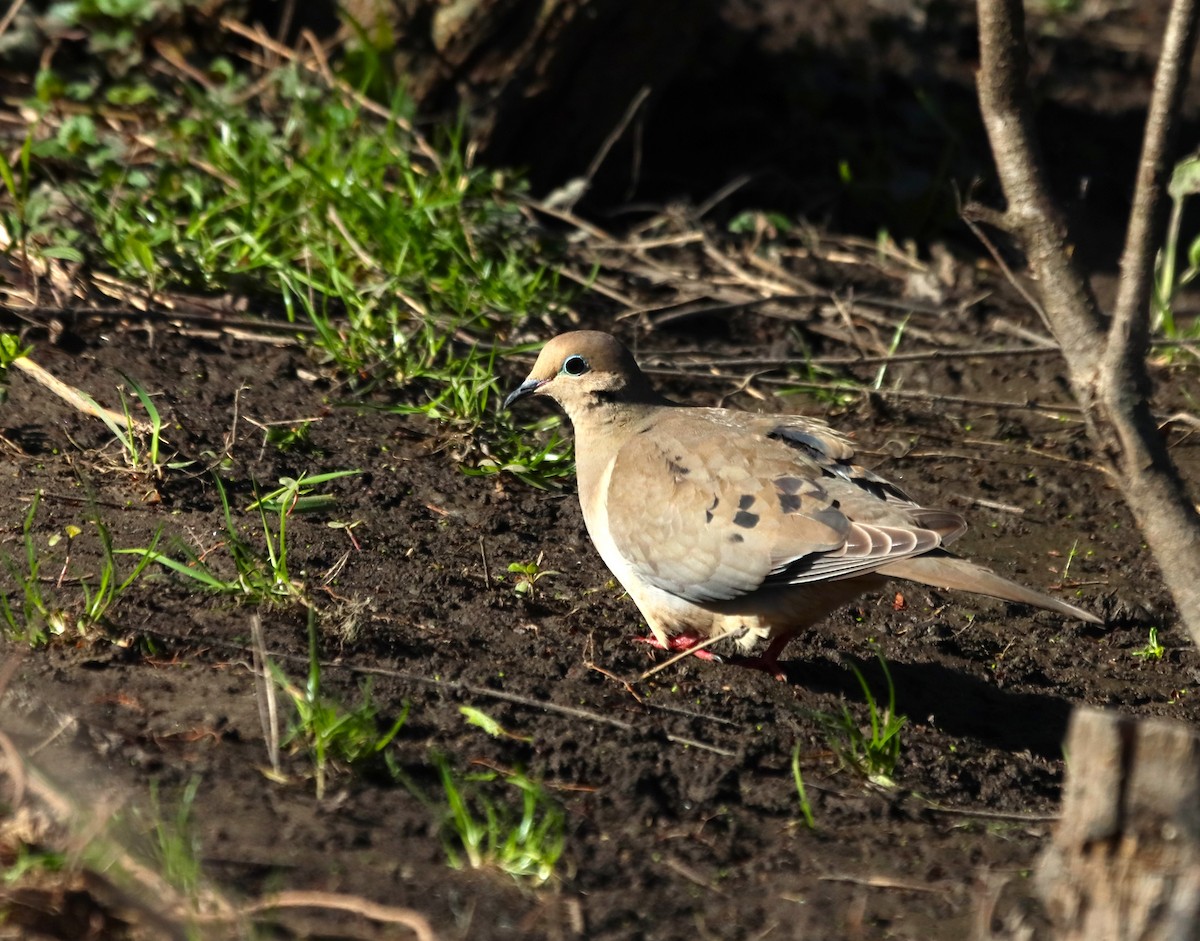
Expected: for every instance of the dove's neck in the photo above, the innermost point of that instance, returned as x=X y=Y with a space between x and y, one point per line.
x=602 y=427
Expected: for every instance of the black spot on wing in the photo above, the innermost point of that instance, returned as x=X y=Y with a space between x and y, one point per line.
x=789 y=485
x=708 y=514
x=790 y=503
x=737 y=537
x=743 y=517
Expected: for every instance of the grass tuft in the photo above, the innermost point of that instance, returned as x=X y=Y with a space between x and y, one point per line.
x=401 y=262
x=874 y=751
x=508 y=822
x=261 y=576
x=39 y=607
x=334 y=736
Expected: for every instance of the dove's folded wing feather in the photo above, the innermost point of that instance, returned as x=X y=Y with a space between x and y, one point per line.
x=710 y=508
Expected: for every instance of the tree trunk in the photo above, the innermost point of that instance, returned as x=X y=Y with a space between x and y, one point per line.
x=1124 y=863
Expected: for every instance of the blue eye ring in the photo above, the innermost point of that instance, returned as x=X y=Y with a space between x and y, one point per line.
x=575 y=365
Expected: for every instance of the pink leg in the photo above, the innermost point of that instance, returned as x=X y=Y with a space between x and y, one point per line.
x=768 y=662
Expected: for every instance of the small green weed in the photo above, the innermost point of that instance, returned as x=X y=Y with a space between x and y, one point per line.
x=289 y=437
x=296 y=495
x=1074 y=551
x=527 y=575
x=176 y=846
x=112 y=30
x=37 y=617
x=1153 y=649
x=28 y=859
x=536 y=454
x=99 y=598
x=1169 y=281
x=480 y=719
x=872 y=753
x=41 y=610
x=821 y=383
x=761 y=224
x=801 y=794
x=260 y=576
x=141 y=443
x=31 y=216
x=330 y=734
x=487 y=831
x=10 y=351
x=893 y=346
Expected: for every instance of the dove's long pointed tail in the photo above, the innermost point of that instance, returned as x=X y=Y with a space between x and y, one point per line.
x=946 y=571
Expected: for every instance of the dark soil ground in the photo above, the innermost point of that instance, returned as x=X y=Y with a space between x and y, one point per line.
x=683 y=820
x=682 y=817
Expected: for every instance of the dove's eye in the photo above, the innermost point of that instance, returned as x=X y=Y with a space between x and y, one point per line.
x=574 y=366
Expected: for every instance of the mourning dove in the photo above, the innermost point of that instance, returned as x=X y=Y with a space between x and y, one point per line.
x=719 y=521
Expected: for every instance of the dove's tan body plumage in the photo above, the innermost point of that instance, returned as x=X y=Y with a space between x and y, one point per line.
x=715 y=520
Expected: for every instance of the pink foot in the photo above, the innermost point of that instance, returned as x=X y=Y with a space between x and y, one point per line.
x=677 y=643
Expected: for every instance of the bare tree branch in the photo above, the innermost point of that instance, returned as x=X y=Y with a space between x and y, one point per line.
x=1129 y=332
x=1105 y=359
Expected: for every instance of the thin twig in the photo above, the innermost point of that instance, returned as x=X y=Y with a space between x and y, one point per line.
x=923 y=356
x=692 y=651
x=487 y=575
x=10 y=14
x=1054 y=408
x=459 y=686
x=337 y=901
x=259 y=37
x=616 y=679
x=264 y=687
x=615 y=134
x=969 y=216
x=173 y=315
x=75 y=397
x=705 y=717
x=883 y=882
x=565 y=215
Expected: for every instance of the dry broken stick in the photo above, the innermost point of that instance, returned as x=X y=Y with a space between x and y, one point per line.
x=75 y=397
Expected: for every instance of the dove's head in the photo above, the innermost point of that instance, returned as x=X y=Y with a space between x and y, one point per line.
x=586 y=369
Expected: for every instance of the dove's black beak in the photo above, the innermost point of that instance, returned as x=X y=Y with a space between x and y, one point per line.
x=528 y=387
